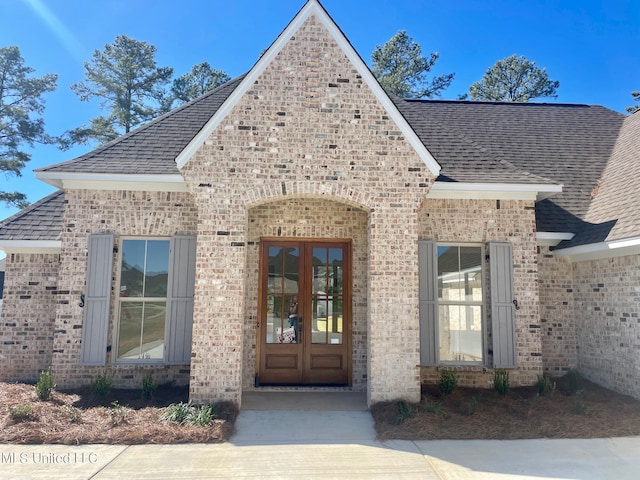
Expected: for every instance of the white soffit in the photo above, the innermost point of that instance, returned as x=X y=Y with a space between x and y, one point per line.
x=551 y=239
x=595 y=251
x=497 y=191
x=31 y=246
x=312 y=7
x=102 y=181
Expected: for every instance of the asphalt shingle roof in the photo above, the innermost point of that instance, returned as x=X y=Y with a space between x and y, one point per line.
x=39 y=221
x=152 y=148
x=474 y=142
x=497 y=142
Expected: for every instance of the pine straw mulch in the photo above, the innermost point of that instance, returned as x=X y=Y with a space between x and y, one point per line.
x=81 y=417
x=468 y=413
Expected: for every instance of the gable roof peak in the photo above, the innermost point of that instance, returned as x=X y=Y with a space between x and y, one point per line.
x=315 y=8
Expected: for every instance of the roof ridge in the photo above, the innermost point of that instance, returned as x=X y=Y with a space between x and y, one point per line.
x=511 y=104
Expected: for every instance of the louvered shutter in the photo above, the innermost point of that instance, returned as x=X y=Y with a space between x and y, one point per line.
x=97 y=299
x=181 y=288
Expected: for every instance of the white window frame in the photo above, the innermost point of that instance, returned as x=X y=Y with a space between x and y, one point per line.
x=483 y=305
x=119 y=301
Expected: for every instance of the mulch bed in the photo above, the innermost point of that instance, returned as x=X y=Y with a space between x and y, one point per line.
x=81 y=417
x=468 y=413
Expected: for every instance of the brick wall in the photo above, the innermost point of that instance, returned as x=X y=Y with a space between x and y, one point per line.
x=308 y=127
x=27 y=323
x=482 y=221
x=144 y=214
x=607 y=295
x=559 y=353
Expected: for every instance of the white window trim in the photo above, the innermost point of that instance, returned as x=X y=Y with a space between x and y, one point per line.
x=117 y=306
x=484 y=305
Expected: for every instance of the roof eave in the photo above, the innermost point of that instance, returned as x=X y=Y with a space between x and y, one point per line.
x=596 y=251
x=109 y=181
x=552 y=239
x=31 y=246
x=493 y=191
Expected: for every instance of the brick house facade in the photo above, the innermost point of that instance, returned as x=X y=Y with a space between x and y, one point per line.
x=180 y=248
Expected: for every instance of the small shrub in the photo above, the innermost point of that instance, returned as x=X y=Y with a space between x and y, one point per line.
x=545 y=385
x=188 y=414
x=433 y=409
x=148 y=386
x=579 y=405
x=405 y=412
x=118 y=413
x=45 y=385
x=473 y=405
x=448 y=381
x=73 y=414
x=501 y=381
x=101 y=385
x=22 y=413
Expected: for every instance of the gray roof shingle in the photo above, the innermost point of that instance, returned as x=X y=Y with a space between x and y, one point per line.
x=567 y=144
x=152 y=148
x=39 y=221
x=475 y=142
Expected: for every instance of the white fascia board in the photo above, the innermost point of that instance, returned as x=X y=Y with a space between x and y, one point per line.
x=103 y=181
x=312 y=7
x=492 y=191
x=596 y=251
x=551 y=239
x=30 y=246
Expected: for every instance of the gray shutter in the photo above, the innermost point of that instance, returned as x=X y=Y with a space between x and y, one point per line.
x=181 y=288
x=502 y=308
x=97 y=299
x=428 y=282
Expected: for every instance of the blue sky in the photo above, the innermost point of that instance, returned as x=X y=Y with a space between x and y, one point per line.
x=591 y=47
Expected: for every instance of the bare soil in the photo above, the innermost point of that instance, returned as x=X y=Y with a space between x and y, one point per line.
x=589 y=411
x=81 y=417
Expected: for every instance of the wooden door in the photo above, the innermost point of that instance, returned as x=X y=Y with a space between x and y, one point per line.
x=304 y=334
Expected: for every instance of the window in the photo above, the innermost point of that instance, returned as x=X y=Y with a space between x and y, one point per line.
x=144 y=273
x=453 y=310
x=460 y=304
x=154 y=304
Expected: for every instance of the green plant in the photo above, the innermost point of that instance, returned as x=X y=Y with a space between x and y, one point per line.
x=433 y=408
x=45 y=384
x=101 y=385
x=73 y=414
x=405 y=412
x=118 y=413
x=22 y=413
x=501 y=381
x=473 y=405
x=188 y=414
x=148 y=386
x=545 y=385
x=579 y=405
x=448 y=381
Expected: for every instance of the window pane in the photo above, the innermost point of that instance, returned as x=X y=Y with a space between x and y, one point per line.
x=326 y=326
x=471 y=269
x=450 y=285
x=291 y=269
x=130 y=330
x=282 y=319
x=319 y=270
x=283 y=270
x=153 y=331
x=335 y=270
x=132 y=272
x=157 y=269
x=460 y=333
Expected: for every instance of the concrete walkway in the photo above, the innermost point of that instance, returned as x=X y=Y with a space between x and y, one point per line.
x=303 y=436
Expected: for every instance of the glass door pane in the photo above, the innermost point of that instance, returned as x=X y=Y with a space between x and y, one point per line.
x=326 y=325
x=282 y=295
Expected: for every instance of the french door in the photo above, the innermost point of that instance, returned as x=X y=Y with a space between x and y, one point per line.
x=304 y=324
